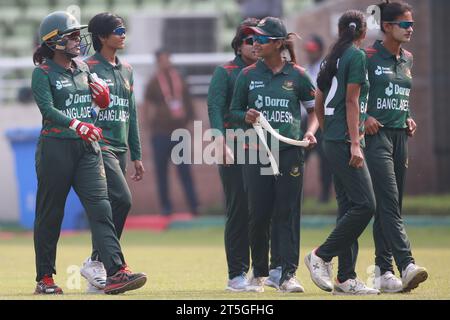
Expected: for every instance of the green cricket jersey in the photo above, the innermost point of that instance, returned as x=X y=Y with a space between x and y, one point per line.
x=390 y=85
x=277 y=96
x=61 y=96
x=352 y=68
x=220 y=93
x=119 y=121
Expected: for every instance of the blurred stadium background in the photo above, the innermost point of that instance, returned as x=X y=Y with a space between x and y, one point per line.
x=199 y=32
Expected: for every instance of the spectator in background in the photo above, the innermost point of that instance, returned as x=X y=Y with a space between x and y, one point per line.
x=169 y=107
x=314 y=52
x=260 y=8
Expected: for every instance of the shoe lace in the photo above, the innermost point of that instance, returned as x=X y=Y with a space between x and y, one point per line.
x=326 y=269
x=388 y=276
x=125 y=269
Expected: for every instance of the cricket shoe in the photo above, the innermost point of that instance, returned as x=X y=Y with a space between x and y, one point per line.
x=412 y=275
x=238 y=283
x=321 y=272
x=353 y=287
x=388 y=283
x=291 y=285
x=124 y=280
x=47 y=286
x=94 y=272
x=274 y=278
x=255 y=284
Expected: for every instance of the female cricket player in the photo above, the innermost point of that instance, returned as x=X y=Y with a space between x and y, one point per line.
x=119 y=124
x=236 y=228
x=388 y=125
x=219 y=98
x=275 y=87
x=68 y=154
x=341 y=102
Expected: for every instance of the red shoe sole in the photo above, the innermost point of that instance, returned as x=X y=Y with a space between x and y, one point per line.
x=132 y=285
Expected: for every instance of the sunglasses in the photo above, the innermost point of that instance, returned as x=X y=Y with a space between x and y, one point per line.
x=263 y=39
x=402 y=24
x=119 y=31
x=248 y=41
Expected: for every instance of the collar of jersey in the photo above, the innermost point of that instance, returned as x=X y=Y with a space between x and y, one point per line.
x=107 y=65
x=385 y=54
x=60 y=69
x=264 y=68
x=239 y=62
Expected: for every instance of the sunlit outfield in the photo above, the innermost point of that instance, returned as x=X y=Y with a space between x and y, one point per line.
x=190 y=264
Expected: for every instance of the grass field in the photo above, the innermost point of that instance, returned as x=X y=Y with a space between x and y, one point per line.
x=190 y=264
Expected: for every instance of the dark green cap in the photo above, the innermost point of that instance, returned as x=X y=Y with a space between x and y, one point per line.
x=269 y=26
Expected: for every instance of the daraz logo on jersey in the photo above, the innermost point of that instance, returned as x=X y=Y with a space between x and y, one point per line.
x=383 y=70
x=398 y=90
x=271 y=102
x=59 y=84
x=255 y=85
x=78 y=98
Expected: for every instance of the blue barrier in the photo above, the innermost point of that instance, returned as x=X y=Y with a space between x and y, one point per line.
x=23 y=142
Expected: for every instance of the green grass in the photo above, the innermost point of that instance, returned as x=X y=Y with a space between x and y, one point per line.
x=435 y=205
x=190 y=264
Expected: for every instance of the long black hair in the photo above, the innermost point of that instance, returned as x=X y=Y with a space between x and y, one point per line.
x=102 y=25
x=352 y=24
x=240 y=34
x=42 y=53
x=390 y=11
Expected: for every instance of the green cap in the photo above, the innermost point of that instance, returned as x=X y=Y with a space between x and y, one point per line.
x=269 y=26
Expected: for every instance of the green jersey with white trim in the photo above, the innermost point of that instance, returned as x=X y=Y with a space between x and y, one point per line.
x=277 y=96
x=119 y=121
x=390 y=85
x=61 y=95
x=351 y=68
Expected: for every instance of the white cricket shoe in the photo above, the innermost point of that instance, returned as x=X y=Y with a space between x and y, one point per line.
x=388 y=283
x=93 y=290
x=291 y=285
x=94 y=272
x=353 y=287
x=274 y=278
x=321 y=272
x=237 y=284
x=255 y=284
x=412 y=275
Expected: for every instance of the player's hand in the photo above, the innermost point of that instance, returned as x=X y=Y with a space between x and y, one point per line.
x=309 y=136
x=372 y=126
x=100 y=92
x=139 y=170
x=357 y=157
x=251 y=116
x=87 y=131
x=411 y=127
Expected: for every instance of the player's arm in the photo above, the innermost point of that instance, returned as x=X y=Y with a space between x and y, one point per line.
x=42 y=93
x=307 y=97
x=217 y=98
x=356 y=77
x=134 y=141
x=238 y=111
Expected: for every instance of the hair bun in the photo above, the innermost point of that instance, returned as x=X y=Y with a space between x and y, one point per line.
x=352 y=25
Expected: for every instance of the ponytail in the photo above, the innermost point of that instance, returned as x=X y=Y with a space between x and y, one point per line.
x=352 y=25
x=42 y=53
x=288 y=44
